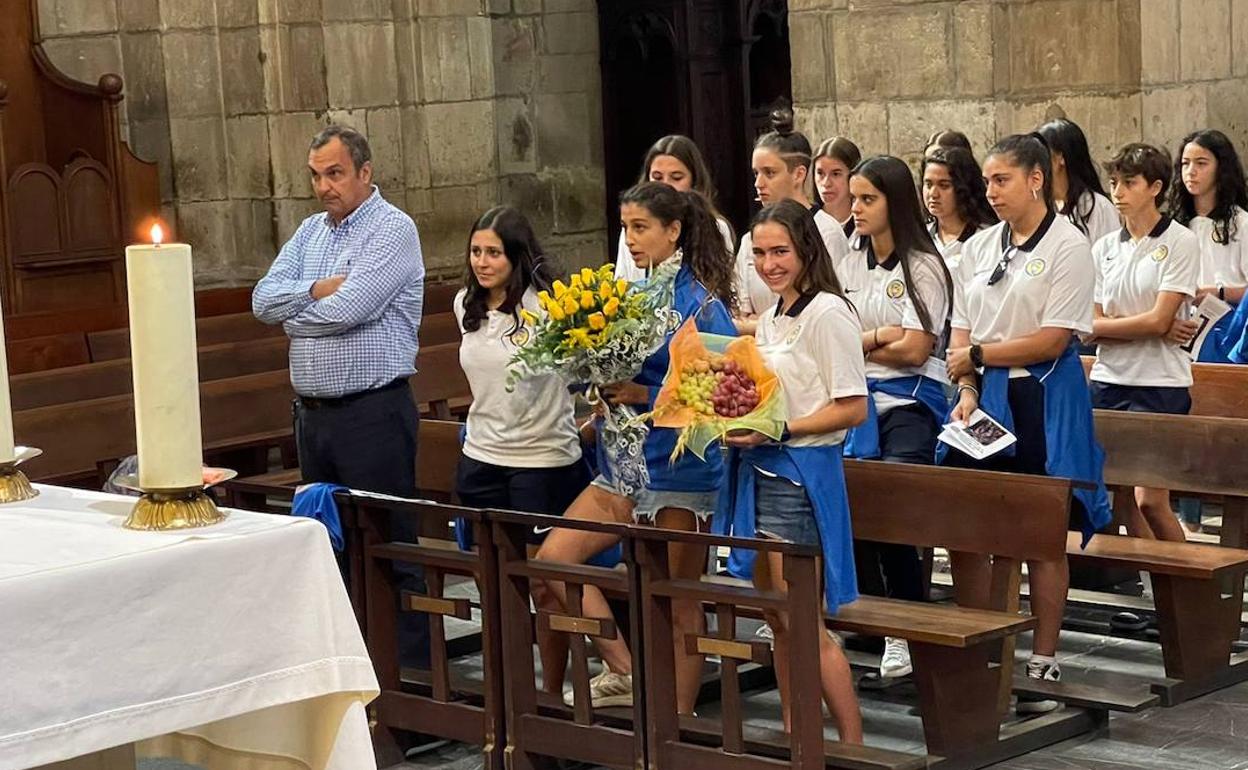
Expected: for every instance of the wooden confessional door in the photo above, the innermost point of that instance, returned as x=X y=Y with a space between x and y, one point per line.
x=711 y=69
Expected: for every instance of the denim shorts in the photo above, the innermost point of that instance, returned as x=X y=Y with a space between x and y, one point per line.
x=648 y=502
x=783 y=509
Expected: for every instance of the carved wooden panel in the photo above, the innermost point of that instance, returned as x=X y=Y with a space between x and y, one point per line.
x=90 y=207
x=34 y=195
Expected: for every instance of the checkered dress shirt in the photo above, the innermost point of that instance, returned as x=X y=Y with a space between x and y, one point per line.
x=364 y=335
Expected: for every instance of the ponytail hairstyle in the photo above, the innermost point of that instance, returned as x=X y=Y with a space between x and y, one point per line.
x=1029 y=152
x=790 y=144
x=839 y=148
x=685 y=150
x=911 y=240
x=700 y=239
x=1066 y=138
x=969 y=192
x=817 y=274
x=1229 y=183
x=529 y=268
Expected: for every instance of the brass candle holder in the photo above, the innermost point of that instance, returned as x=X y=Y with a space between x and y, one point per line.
x=14 y=486
x=165 y=509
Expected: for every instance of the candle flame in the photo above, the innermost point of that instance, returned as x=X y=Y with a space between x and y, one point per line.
x=158 y=234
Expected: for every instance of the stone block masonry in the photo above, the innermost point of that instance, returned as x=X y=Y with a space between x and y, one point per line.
x=467 y=104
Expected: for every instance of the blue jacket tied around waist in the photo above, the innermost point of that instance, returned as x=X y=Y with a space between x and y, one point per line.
x=863 y=441
x=820 y=471
x=316 y=501
x=1070 y=440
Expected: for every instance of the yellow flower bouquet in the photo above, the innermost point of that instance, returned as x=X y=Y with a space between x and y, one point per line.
x=596 y=330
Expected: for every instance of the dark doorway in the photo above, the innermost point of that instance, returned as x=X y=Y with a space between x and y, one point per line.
x=711 y=69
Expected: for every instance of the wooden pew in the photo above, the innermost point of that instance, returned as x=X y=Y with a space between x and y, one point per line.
x=34 y=354
x=439 y=329
x=436 y=704
x=440 y=296
x=248 y=412
x=113 y=378
x=1201 y=455
x=115 y=343
x=1218 y=390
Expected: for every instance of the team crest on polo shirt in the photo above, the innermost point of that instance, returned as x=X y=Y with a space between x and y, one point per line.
x=794 y=333
x=1160 y=253
x=520 y=337
x=1035 y=267
x=895 y=289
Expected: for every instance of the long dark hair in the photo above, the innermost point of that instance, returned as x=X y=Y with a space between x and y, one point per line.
x=817 y=272
x=969 y=193
x=700 y=239
x=528 y=266
x=1028 y=152
x=911 y=240
x=685 y=150
x=1229 y=184
x=1066 y=138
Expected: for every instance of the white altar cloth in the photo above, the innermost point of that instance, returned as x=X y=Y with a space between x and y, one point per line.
x=234 y=646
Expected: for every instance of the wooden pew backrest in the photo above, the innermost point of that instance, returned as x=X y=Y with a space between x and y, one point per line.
x=1005 y=514
x=1218 y=390
x=236 y=327
x=1207 y=455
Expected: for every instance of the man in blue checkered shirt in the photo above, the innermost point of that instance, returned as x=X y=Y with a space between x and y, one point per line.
x=348 y=288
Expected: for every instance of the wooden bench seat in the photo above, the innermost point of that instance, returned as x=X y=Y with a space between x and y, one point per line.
x=943 y=625
x=1198 y=592
x=1218 y=390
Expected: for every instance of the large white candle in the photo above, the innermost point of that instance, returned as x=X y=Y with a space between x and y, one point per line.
x=6 y=406
x=163 y=356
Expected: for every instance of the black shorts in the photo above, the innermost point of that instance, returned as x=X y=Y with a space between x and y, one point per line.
x=1026 y=398
x=908 y=435
x=1140 y=398
x=531 y=490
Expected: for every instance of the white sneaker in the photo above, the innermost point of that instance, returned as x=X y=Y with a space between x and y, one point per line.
x=607 y=689
x=896 y=661
x=1035 y=704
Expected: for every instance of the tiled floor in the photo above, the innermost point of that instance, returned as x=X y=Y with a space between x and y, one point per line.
x=1210 y=733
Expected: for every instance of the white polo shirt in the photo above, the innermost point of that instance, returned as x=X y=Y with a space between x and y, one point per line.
x=951 y=252
x=1049 y=282
x=627 y=269
x=753 y=296
x=886 y=302
x=1102 y=217
x=1222 y=263
x=815 y=348
x=530 y=427
x=1129 y=276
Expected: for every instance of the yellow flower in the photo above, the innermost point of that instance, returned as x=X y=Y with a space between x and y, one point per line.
x=543 y=297
x=605 y=290
x=528 y=317
x=606 y=272
x=597 y=322
x=587 y=276
x=569 y=305
x=560 y=289
x=621 y=287
x=580 y=336
x=587 y=300
x=611 y=308
x=577 y=282
x=556 y=312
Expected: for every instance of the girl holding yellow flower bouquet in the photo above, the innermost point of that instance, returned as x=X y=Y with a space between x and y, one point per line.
x=661 y=225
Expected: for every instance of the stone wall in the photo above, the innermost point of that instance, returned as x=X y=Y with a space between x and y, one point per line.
x=467 y=103
x=887 y=73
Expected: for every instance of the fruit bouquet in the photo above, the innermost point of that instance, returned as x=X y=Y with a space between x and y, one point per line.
x=714 y=385
x=594 y=330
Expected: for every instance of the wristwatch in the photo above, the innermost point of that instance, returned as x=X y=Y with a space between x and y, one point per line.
x=977 y=356
x=1221 y=292
x=785 y=434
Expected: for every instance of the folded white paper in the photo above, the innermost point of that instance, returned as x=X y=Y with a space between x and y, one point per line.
x=1207 y=313
x=980 y=436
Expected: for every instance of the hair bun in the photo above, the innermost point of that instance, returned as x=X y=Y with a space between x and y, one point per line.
x=782 y=121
